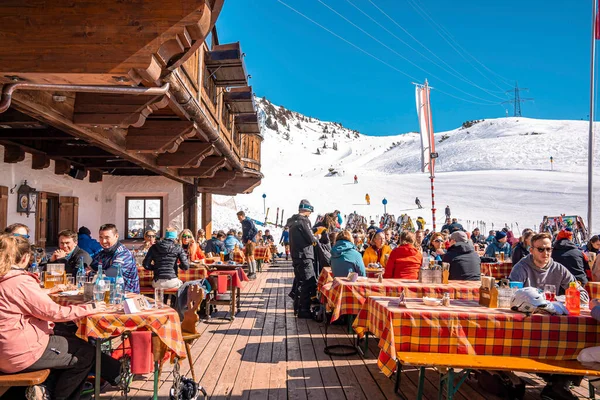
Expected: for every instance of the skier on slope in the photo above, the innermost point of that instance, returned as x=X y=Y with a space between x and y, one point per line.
x=448 y=211
x=355 y=179
x=368 y=199
x=418 y=203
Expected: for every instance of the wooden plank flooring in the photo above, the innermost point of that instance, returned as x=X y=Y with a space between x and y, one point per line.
x=267 y=353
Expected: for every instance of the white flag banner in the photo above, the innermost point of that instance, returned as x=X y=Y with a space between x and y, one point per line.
x=426 y=129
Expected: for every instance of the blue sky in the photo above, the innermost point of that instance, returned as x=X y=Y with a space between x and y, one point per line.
x=545 y=45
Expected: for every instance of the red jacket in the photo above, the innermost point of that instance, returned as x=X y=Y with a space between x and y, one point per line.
x=404 y=263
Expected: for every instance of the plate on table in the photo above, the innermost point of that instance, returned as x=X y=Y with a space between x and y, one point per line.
x=432 y=301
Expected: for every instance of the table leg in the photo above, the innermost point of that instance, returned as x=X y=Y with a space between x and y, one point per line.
x=450 y=384
x=232 y=305
x=238 y=295
x=421 y=383
x=98 y=368
x=156 y=369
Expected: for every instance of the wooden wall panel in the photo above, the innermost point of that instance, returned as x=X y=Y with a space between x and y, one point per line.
x=3 y=207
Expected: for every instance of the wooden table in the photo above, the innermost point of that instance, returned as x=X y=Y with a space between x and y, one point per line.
x=468 y=328
x=196 y=272
x=498 y=270
x=237 y=277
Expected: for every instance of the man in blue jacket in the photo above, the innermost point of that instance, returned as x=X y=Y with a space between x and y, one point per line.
x=249 y=232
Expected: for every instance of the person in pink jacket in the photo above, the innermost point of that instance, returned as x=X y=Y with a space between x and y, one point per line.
x=27 y=316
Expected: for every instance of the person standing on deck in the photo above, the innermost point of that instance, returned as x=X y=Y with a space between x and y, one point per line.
x=302 y=243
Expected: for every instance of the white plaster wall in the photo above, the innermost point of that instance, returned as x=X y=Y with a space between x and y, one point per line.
x=46 y=180
x=116 y=188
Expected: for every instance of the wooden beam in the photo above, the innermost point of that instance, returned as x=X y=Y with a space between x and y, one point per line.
x=113 y=165
x=85 y=151
x=13 y=154
x=93 y=109
x=190 y=207
x=189 y=154
x=159 y=136
x=206 y=214
x=33 y=134
x=219 y=181
x=95 y=176
x=207 y=168
x=39 y=161
x=61 y=167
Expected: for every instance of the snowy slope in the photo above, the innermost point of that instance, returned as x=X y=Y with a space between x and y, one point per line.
x=496 y=170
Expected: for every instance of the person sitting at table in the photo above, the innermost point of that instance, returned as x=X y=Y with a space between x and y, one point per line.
x=477 y=238
x=268 y=238
x=592 y=246
x=539 y=269
x=465 y=264
x=344 y=256
x=521 y=249
x=436 y=249
x=27 y=341
x=215 y=245
x=568 y=254
x=377 y=251
x=193 y=250
x=230 y=242
x=87 y=243
x=163 y=258
x=114 y=255
x=419 y=237
x=201 y=238
x=499 y=245
x=405 y=260
x=491 y=236
x=18 y=229
x=69 y=253
x=149 y=240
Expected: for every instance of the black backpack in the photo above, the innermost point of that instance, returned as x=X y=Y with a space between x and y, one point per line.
x=501 y=383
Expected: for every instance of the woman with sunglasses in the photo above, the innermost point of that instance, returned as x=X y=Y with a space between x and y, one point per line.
x=436 y=248
x=149 y=240
x=201 y=238
x=194 y=252
x=18 y=229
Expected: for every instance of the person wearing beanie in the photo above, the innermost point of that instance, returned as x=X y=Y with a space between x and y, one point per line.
x=465 y=264
x=565 y=252
x=163 y=258
x=499 y=245
x=302 y=243
x=87 y=243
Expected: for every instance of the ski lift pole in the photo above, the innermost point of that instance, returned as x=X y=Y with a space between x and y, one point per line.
x=431 y=177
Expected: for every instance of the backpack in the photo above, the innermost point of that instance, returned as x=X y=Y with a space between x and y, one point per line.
x=501 y=383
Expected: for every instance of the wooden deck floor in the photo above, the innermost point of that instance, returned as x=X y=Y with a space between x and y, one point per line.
x=267 y=353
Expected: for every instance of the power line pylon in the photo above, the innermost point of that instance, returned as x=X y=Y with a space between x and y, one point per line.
x=517 y=100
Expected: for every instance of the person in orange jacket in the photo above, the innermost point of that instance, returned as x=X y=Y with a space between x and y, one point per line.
x=405 y=260
x=368 y=199
x=377 y=250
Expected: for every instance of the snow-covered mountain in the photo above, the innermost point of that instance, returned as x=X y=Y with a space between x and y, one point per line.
x=492 y=170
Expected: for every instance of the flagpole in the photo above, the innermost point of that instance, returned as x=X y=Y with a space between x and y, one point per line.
x=591 y=132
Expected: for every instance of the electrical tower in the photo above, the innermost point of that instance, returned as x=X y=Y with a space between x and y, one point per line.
x=517 y=100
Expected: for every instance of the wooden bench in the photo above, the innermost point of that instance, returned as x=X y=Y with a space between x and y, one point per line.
x=22 y=379
x=446 y=363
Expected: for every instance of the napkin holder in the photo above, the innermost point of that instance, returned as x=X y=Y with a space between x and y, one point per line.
x=488 y=293
x=136 y=304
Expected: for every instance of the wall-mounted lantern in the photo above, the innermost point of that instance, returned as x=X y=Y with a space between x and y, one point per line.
x=26 y=199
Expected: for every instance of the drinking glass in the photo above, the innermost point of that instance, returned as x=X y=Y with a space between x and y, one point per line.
x=70 y=281
x=108 y=291
x=497 y=256
x=159 y=294
x=550 y=292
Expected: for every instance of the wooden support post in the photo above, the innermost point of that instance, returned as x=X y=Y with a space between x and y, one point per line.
x=13 y=154
x=207 y=214
x=190 y=207
x=61 y=167
x=39 y=161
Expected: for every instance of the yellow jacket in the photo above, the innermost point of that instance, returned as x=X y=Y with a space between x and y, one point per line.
x=370 y=255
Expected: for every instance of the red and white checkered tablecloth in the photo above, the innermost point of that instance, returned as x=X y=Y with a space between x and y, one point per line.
x=593 y=288
x=497 y=270
x=344 y=297
x=468 y=328
x=325 y=277
x=262 y=253
x=192 y=274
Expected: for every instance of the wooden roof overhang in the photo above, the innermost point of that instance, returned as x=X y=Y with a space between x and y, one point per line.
x=101 y=42
x=240 y=100
x=248 y=124
x=226 y=63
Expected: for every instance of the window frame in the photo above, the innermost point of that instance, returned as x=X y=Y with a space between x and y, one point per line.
x=159 y=233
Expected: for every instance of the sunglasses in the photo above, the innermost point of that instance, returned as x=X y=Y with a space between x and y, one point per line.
x=150 y=236
x=187 y=237
x=21 y=235
x=439 y=240
x=544 y=249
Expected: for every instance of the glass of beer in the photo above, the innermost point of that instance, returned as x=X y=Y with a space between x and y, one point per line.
x=108 y=291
